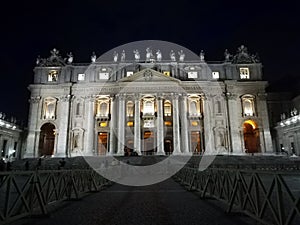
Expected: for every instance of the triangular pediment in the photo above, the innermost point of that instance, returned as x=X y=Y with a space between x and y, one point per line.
x=149 y=75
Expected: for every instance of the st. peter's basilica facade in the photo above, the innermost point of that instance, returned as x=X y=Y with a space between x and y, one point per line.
x=148 y=101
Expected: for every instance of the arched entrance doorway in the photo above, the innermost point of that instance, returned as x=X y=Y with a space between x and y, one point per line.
x=251 y=136
x=168 y=145
x=47 y=137
x=196 y=142
x=102 y=143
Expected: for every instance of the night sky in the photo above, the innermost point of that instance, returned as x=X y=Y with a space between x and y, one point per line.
x=32 y=28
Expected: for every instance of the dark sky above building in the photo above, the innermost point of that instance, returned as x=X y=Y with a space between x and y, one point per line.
x=31 y=28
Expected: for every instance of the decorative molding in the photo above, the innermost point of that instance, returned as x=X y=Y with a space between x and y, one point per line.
x=148 y=75
x=262 y=96
x=231 y=96
x=242 y=56
x=65 y=98
x=54 y=60
x=34 y=99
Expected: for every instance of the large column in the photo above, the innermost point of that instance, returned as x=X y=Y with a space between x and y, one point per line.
x=184 y=125
x=234 y=112
x=31 y=147
x=176 y=132
x=121 y=124
x=137 y=125
x=160 y=127
x=63 y=108
x=207 y=122
x=297 y=144
x=265 y=127
x=90 y=127
x=112 y=126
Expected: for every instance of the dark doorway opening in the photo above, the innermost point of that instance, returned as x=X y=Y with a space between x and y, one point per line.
x=196 y=142
x=46 y=142
x=251 y=137
x=168 y=146
x=102 y=143
x=149 y=143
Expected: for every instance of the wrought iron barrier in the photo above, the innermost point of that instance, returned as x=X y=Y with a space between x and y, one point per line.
x=29 y=193
x=270 y=197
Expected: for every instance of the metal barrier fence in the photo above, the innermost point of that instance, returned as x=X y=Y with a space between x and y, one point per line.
x=270 y=197
x=29 y=193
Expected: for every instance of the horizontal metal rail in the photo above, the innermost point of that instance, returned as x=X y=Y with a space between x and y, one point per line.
x=270 y=197
x=29 y=193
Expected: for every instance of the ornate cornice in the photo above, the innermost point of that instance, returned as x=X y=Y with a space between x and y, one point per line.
x=242 y=56
x=34 y=99
x=65 y=98
x=54 y=60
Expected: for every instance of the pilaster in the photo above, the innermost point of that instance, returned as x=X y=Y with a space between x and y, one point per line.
x=176 y=132
x=160 y=126
x=137 y=125
x=121 y=124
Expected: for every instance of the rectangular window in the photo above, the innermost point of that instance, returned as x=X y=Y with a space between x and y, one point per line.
x=193 y=74
x=129 y=73
x=244 y=73
x=81 y=76
x=293 y=148
x=52 y=75
x=103 y=76
x=15 y=148
x=3 y=150
x=215 y=75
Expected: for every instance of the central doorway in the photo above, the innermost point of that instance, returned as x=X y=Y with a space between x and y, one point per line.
x=168 y=146
x=195 y=142
x=251 y=137
x=46 y=142
x=102 y=143
x=149 y=143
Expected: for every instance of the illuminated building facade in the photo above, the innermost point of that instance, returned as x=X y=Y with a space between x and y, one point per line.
x=287 y=128
x=11 y=138
x=152 y=105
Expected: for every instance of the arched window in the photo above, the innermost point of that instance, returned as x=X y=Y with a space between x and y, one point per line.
x=130 y=109
x=194 y=105
x=103 y=109
x=218 y=108
x=102 y=106
x=78 y=109
x=193 y=108
x=148 y=106
x=49 y=108
x=248 y=105
x=167 y=108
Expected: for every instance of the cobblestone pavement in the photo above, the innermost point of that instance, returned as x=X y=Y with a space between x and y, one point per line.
x=163 y=203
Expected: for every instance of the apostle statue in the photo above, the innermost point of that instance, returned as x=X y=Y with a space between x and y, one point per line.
x=70 y=58
x=158 y=55
x=137 y=55
x=123 y=55
x=202 y=56
x=38 y=60
x=115 y=56
x=227 y=55
x=172 y=56
x=149 y=55
x=181 y=55
x=93 y=57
